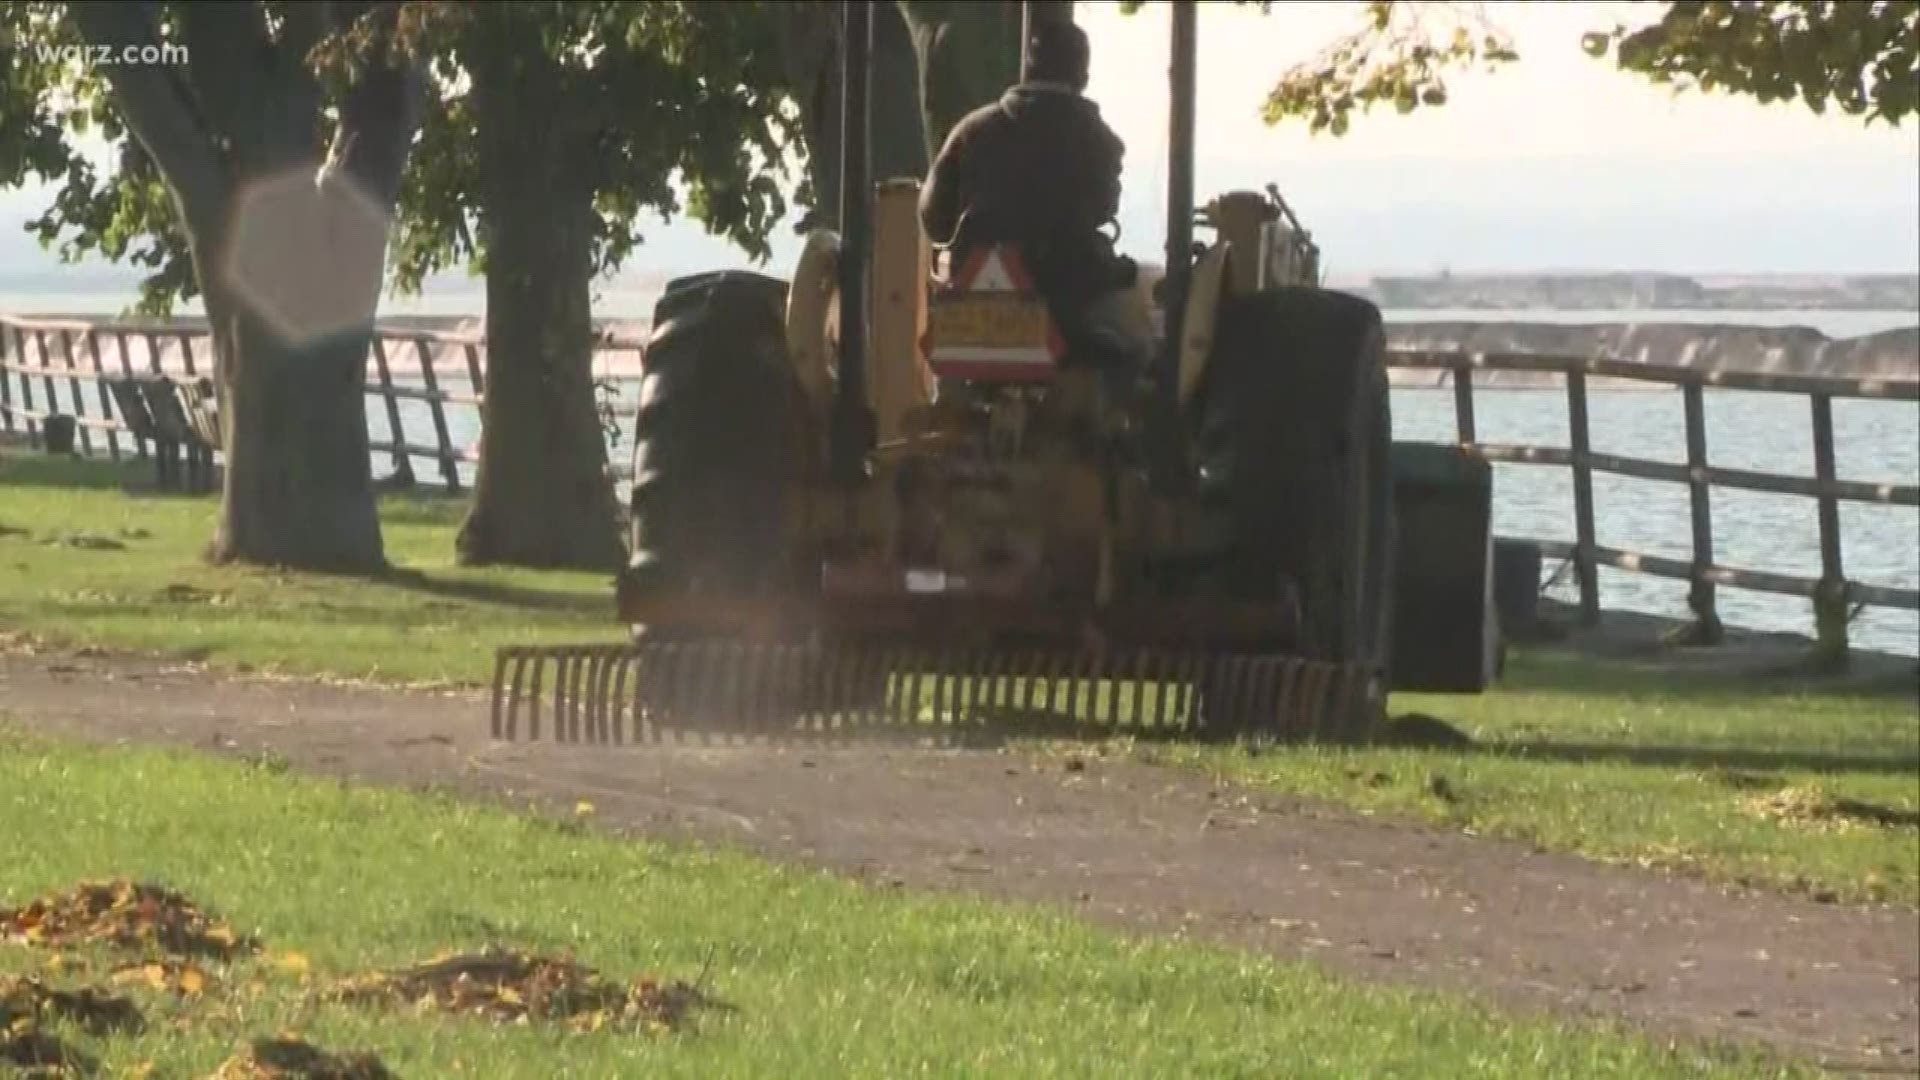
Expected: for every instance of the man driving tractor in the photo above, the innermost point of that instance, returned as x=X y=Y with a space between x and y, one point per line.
x=1039 y=170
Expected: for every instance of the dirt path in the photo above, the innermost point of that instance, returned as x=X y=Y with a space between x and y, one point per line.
x=1142 y=848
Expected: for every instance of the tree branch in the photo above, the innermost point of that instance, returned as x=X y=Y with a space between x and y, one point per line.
x=158 y=110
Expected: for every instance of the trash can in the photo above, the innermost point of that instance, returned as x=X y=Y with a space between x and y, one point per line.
x=1446 y=629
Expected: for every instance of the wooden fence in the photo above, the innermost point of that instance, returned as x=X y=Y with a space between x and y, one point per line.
x=60 y=352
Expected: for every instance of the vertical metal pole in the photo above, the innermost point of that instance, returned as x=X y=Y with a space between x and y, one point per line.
x=1583 y=556
x=1463 y=406
x=1700 y=597
x=1169 y=453
x=1180 y=154
x=852 y=417
x=1830 y=596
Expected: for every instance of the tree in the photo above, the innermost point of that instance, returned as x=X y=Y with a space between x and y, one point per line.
x=1861 y=55
x=219 y=151
x=558 y=126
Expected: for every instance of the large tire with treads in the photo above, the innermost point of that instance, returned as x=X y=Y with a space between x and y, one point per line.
x=1293 y=436
x=714 y=460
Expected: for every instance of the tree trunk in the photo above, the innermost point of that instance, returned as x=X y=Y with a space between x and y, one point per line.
x=299 y=487
x=543 y=497
x=968 y=53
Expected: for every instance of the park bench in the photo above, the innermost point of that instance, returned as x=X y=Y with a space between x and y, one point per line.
x=180 y=419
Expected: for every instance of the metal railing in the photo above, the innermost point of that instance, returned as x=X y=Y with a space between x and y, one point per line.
x=53 y=353
x=1834 y=597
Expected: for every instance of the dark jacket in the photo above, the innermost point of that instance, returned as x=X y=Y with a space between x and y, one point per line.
x=1040 y=169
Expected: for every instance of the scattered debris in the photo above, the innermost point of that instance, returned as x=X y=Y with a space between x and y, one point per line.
x=27 y=1003
x=126 y=915
x=1806 y=806
x=1740 y=781
x=178 y=593
x=508 y=987
x=84 y=542
x=35 y=1055
x=291 y=1058
x=183 y=978
x=32 y=1000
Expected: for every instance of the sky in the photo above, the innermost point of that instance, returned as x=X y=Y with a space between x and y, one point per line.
x=1555 y=162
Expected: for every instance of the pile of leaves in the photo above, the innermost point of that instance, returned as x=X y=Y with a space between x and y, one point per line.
x=289 y=1058
x=124 y=914
x=27 y=1005
x=1809 y=807
x=509 y=988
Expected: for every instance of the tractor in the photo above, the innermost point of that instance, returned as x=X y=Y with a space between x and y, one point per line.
x=881 y=496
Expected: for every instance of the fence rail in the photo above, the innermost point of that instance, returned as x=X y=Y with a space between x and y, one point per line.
x=57 y=358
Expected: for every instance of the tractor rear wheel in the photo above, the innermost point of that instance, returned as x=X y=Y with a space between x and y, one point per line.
x=713 y=461
x=1294 y=442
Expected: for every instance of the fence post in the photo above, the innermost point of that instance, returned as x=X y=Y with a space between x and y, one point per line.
x=449 y=465
x=152 y=352
x=126 y=368
x=1583 y=554
x=79 y=395
x=1830 y=596
x=26 y=385
x=1463 y=405
x=100 y=388
x=186 y=353
x=402 y=461
x=1706 y=629
x=46 y=373
x=6 y=380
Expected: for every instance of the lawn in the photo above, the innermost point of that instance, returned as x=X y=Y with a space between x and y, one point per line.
x=821 y=976
x=1816 y=791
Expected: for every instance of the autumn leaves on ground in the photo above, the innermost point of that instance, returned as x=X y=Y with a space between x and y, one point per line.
x=141 y=935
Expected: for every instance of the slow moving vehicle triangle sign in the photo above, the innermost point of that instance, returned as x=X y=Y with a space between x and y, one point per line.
x=990 y=325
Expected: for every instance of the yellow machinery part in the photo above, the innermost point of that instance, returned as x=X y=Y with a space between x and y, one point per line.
x=898 y=378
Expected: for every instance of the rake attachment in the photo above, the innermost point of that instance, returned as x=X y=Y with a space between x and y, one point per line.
x=724 y=691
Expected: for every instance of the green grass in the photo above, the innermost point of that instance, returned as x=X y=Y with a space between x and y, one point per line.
x=1752 y=784
x=1575 y=755
x=430 y=622
x=829 y=978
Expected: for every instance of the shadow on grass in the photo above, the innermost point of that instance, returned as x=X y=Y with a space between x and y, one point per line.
x=1419 y=731
x=1703 y=758
x=22 y=468
x=1874 y=677
x=493 y=592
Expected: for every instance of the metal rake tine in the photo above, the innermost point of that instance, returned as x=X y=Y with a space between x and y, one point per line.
x=538 y=665
x=497 y=727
